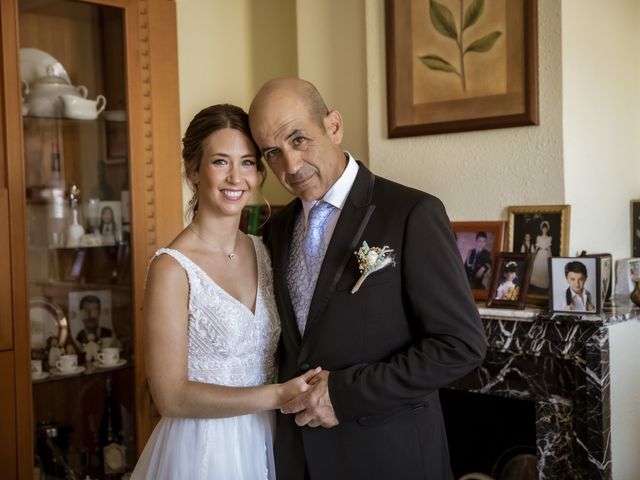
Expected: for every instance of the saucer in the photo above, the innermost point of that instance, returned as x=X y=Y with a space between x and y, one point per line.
x=58 y=373
x=36 y=377
x=119 y=363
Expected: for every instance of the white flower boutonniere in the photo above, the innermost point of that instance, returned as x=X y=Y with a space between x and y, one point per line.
x=371 y=259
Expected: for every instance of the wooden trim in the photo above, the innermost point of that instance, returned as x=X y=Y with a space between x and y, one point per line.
x=8 y=417
x=6 y=317
x=15 y=185
x=160 y=171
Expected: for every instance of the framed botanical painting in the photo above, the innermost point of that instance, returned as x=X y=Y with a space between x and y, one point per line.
x=510 y=280
x=543 y=231
x=575 y=285
x=478 y=244
x=458 y=65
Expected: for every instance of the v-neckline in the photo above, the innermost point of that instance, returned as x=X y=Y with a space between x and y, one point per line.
x=259 y=269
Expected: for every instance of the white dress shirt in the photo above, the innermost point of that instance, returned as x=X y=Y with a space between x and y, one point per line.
x=336 y=196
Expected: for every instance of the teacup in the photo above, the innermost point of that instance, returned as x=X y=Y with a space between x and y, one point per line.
x=67 y=363
x=109 y=356
x=36 y=368
x=83 y=108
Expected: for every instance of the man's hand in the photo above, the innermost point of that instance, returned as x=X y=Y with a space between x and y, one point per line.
x=313 y=407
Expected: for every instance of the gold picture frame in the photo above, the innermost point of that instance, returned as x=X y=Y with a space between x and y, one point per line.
x=442 y=78
x=528 y=221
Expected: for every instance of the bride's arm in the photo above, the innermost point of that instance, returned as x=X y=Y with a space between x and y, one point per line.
x=165 y=346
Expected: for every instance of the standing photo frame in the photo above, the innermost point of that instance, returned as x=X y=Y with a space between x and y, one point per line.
x=542 y=230
x=510 y=281
x=454 y=67
x=575 y=287
x=478 y=244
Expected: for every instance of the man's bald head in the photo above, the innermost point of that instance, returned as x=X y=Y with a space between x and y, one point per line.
x=295 y=88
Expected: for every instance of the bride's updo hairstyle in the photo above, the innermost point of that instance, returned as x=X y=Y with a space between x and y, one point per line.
x=206 y=122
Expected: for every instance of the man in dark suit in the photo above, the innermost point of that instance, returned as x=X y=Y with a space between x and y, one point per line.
x=411 y=328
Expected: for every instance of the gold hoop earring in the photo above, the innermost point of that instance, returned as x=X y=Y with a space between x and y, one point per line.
x=268 y=211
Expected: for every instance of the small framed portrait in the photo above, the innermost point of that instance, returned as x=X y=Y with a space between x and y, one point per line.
x=543 y=231
x=110 y=224
x=510 y=280
x=635 y=228
x=90 y=315
x=575 y=285
x=606 y=273
x=627 y=273
x=478 y=244
x=116 y=138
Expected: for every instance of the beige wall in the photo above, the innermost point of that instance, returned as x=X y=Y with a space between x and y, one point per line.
x=331 y=55
x=601 y=117
x=227 y=49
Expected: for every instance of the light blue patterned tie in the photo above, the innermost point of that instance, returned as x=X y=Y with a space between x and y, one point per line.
x=307 y=253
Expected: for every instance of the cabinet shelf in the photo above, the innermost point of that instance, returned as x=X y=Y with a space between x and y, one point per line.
x=88 y=372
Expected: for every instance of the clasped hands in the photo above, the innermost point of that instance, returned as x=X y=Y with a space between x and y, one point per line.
x=312 y=404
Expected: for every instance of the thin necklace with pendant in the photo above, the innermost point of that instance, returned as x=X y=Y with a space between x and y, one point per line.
x=231 y=255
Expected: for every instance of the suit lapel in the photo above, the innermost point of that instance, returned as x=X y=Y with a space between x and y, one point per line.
x=281 y=260
x=353 y=219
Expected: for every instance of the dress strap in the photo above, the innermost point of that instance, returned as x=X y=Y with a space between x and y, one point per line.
x=179 y=257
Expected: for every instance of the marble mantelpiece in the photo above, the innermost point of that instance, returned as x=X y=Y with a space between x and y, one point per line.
x=562 y=364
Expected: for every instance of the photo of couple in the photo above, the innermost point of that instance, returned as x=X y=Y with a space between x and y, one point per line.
x=261 y=356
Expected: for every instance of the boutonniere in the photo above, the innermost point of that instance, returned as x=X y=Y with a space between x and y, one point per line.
x=371 y=259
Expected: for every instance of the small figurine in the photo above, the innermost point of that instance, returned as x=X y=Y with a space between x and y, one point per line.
x=55 y=351
x=90 y=348
x=71 y=349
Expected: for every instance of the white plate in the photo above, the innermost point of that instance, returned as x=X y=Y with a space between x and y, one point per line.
x=57 y=373
x=119 y=363
x=36 y=377
x=34 y=62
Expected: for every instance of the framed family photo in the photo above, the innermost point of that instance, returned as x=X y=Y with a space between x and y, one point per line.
x=510 y=280
x=455 y=66
x=478 y=244
x=627 y=274
x=543 y=231
x=606 y=273
x=575 y=285
x=90 y=314
x=110 y=226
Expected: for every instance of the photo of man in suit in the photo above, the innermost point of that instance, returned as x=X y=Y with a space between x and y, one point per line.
x=478 y=262
x=385 y=350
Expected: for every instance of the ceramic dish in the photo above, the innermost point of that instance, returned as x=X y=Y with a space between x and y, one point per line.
x=34 y=62
x=37 y=377
x=57 y=373
x=47 y=320
x=119 y=363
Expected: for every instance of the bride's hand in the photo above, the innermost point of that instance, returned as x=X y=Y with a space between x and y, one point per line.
x=296 y=386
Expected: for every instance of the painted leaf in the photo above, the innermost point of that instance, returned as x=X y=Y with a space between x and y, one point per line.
x=473 y=13
x=442 y=19
x=484 y=44
x=434 y=62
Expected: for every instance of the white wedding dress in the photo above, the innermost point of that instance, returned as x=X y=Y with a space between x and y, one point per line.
x=228 y=345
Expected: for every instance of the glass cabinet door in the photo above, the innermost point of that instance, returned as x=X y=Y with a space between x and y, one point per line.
x=77 y=170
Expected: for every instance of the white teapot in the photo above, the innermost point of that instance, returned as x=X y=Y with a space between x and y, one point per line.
x=44 y=94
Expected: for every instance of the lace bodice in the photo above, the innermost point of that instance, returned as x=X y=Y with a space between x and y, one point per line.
x=228 y=344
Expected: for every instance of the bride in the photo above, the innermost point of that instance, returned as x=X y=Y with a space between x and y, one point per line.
x=210 y=321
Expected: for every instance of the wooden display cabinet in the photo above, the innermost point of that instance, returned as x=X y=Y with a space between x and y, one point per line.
x=125 y=50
